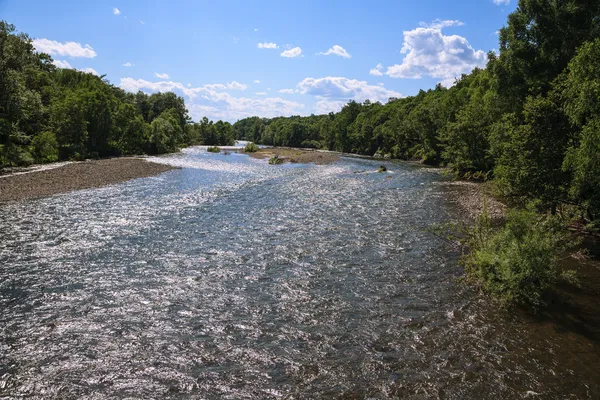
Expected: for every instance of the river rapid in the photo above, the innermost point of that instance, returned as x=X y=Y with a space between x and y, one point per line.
x=233 y=279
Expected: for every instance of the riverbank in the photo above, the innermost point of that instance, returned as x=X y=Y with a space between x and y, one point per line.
x=301 y=156
x=471 y=198
x=76 y=176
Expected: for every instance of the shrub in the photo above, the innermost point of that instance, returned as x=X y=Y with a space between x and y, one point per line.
x=518 y=261
x=275 y=160
x=213 y=149
x=382 y=168
x=44 y=147
x=251 y=148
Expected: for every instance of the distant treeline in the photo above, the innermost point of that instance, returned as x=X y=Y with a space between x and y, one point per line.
x=49 y=114
x=530 y=120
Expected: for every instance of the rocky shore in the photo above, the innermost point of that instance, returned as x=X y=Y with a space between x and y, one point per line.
x=75 y=176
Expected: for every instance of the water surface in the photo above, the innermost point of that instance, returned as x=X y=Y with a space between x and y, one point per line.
x=230 y=278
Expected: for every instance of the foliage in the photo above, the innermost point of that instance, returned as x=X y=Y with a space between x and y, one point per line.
x=382 y=168
x=213 y=149
x=517 y=262
x=44 y=147
x=275 y=160
x=251 y=148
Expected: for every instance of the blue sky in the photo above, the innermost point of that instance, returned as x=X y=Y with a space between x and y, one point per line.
x=233 y=59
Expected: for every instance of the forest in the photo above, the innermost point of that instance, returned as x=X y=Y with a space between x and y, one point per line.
x=530 y=120
x=49 y=114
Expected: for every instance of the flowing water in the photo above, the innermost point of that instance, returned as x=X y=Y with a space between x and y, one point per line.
x=230 y=278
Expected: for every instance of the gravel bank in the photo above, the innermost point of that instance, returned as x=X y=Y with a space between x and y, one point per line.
x=300 y=156
x=76 y=176
x=469 y=198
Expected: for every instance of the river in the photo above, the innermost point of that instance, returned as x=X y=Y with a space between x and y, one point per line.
x=233 y=279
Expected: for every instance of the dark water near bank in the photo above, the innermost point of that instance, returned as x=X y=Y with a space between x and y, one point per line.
x=233 y=279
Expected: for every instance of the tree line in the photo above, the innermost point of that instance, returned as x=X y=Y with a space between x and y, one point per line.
x=530 y=120
x=49 y=114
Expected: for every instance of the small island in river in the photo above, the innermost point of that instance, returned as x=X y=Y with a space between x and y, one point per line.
x=302 y=156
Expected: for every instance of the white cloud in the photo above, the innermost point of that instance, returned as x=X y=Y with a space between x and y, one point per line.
x=291 y=53
x=71 y=49
x=501 y=2
x=189 y=84
x=232 y=85
x=90 y=71
x=208 y=101
x=261 y=93
x=287 y=91
x=377 y=71
x=161 y=76
x=266 y=45
x=142 y=22
x=345 y=89
x=442 y=23
x=255 y=29
x=327 y=106
x=61 y=64
x=256 y=81
x=128 y=64
x=431 y=53
x=116 y=11
x=338 y=51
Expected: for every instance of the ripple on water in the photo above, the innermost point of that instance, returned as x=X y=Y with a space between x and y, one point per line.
x=234 y=279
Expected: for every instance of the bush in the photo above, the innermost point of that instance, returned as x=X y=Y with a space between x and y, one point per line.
x=382 y=168
x=251 y=148
x=44 y=147
x=517 y=262
x=275 y=160
x=213 y=149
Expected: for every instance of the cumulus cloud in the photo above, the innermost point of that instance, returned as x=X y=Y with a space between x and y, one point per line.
x=327 y=106
x=61 y=64
x=344 y=89
x=266 y=45
x=70 y=49
x=128 y=64
x=261 y=93
x=291 y=53
x=90 y=71
x=431 y=53
x=377 y=71
x=287 y=91
x=501 y=2
x=212 y=102
x=338 y=51
x=256 y=81
x=116 y=11
x=161 y=76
